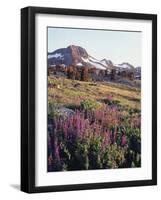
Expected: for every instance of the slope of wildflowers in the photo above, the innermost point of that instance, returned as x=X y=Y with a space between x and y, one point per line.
x=100 y=128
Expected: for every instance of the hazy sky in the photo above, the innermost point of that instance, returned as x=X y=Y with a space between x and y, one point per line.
x=118 y=46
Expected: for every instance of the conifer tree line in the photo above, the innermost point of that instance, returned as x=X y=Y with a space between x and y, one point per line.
x=83 y=73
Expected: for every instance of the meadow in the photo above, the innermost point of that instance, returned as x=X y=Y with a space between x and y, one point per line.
x=93 y=125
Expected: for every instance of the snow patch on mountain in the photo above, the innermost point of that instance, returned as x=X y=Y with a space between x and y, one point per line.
x=56 y=55
x=124 y=66
x=79 y=64
x=103 y=62
x=93 y=62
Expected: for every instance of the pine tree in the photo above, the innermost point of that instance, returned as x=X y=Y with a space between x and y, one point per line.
x=131 y=76
x=70 y=72
x=84 y=74
x=77 y=75
x=113 y=74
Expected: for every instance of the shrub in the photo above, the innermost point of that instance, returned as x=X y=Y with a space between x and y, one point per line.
x=89 y=104
x=93 y=139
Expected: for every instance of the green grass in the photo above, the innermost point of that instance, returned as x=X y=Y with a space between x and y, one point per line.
x=65 y=92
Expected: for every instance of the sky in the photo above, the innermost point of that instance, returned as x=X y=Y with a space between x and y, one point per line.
x=118 y=46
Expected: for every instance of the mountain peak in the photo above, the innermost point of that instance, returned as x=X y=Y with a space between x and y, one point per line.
x=78 y=56
x=77 y=53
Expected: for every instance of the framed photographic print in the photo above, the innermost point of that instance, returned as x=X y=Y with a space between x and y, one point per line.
x=88 y=99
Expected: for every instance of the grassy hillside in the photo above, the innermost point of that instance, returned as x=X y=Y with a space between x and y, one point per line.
x=93 y=125
x=66 y=91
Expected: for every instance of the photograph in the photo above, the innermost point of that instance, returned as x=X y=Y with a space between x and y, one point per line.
x=93 y=99
x=89 y=99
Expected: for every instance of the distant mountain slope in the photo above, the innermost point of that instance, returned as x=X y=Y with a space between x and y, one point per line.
x=78 y=56
x=125 y=66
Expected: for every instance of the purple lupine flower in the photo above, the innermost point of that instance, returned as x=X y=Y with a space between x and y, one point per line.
x=115 y=135
x=65 y=129
x=57 y=156
x=123 y=140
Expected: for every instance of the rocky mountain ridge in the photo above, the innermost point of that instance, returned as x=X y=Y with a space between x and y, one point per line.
x=78 y=56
